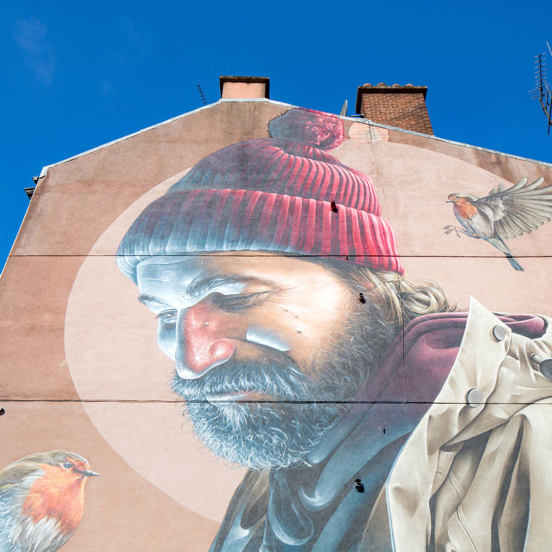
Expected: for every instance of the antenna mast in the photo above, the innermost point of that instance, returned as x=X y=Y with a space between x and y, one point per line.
x=542 y=88
x=201 y=93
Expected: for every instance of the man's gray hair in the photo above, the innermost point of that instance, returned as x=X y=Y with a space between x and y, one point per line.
x=403 y=299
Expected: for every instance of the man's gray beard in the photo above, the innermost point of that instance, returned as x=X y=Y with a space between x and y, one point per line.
x=299 y=409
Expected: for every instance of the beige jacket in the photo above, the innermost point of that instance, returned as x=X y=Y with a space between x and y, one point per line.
x=477 y=476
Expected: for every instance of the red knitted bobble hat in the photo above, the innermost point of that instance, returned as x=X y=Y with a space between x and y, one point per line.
x=269 y=194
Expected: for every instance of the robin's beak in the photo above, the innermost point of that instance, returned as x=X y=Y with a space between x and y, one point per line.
x=87 y=473
x=449 y=201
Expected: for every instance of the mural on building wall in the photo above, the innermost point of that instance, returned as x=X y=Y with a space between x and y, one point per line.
x=280 y=296
x=42 y=500
x=503 y=214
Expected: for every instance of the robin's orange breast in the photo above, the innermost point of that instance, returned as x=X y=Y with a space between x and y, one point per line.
x=465 y=209
x=57 y=494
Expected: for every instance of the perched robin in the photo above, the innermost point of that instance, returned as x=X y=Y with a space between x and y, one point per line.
x=41 y=500
x=503 y=214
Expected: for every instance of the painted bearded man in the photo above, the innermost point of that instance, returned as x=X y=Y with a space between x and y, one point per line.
x=371 y=416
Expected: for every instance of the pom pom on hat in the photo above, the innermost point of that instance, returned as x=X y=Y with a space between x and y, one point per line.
x=320 y=130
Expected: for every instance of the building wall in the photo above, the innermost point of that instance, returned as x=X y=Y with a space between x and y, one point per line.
x=81 y=369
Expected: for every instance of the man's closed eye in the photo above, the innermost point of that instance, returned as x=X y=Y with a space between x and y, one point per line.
x=232 y=303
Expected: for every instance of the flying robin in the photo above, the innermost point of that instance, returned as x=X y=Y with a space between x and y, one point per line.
x=503 y=214
x=41 y=500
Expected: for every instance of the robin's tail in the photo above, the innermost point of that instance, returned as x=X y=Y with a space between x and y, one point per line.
x=514 y=263
x=501 y=246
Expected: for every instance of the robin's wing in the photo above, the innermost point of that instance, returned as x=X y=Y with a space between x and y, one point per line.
x=519 y=209
x=15 y=473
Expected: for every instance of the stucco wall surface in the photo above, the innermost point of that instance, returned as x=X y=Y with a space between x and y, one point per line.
x=87 y=368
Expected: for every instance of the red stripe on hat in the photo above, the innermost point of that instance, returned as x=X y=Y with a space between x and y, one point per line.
x=376 y=238
x=285 y=175
x=353 y=196
x=238 y=194
x=254 y=230
x=266 y=150
x=344 y=214
x=367 y=243
x=303 y=171
x=253 y=198
x=295 y=222
x=267 y=174
x=328 y=182
x=315 y=178
x=201 y=203
x=327 y=219
x=389 y=253
x=310 y=226
x=235 y=212
x=220 y=223
x=337 y=186
x=267 y=214
x=357 y=241
x=282 y=218
x=295 y=183
x=277 y=182
x=350 y=188
x=341 y=187
x=361 y=198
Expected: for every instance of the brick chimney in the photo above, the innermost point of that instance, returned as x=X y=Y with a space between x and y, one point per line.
x=398 y=106
x=244 y=87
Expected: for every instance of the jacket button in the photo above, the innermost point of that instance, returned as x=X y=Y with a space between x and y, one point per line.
x=546 y=368
x=474 y=397
x=499 y=332
x=544 y=364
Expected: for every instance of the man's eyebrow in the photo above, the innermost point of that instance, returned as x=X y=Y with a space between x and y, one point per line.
x=148 y=299
x=201 y=285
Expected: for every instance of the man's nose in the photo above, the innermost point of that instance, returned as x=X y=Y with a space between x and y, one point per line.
x=206 y=338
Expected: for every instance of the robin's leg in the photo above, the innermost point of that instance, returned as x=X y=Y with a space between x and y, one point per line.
x=449 y=228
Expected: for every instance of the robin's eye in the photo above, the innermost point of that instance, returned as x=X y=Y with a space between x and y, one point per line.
x=67 y=465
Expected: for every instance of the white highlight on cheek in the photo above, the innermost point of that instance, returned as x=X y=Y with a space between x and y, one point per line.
x=267 y=338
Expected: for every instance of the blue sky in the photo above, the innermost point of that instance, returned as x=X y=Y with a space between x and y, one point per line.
x=79 y=75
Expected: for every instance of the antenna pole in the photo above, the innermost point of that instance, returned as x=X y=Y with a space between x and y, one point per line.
x=542 y=89
x=201 y=94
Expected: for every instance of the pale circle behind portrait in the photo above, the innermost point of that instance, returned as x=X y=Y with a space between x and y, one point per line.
x=124 y=379
x=110 y=338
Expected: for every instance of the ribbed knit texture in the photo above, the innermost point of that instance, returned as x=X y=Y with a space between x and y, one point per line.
x=270 y=195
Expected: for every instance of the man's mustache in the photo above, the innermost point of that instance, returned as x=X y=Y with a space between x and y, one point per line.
x=279 y=379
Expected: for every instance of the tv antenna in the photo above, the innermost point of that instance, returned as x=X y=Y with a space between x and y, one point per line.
x=202 y=94
x=542 y=88
x=343 y=112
